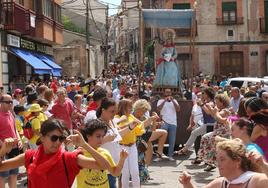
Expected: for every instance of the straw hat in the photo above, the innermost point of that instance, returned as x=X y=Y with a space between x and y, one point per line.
x=35 y=108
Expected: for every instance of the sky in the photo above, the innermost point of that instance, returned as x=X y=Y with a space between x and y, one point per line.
x=112 y=5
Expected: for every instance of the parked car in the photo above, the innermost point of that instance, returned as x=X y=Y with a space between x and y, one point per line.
x=245 y=81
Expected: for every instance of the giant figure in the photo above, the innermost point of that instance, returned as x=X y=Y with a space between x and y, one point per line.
x=167 y=71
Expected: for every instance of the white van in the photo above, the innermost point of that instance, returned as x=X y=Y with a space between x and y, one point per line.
x=245 y=81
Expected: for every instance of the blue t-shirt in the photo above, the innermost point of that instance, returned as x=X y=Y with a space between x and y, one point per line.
x=254 y=147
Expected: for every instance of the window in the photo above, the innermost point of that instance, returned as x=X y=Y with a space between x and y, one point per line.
x=57 y=13
x=47 y=8
x=21 y=2
x=181 y=6
x=230 y=33
x=36 y=6
x=229 y=12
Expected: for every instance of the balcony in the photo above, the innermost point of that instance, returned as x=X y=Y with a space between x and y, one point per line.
x=44 y=29
x=17 y=18
x=263 y=26
x=238 y=21
x=182 y=32
x=58 y=28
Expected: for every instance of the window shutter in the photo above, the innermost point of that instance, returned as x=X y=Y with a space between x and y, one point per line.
x=228 y=6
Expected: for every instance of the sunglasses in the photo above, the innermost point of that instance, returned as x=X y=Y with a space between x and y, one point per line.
x=55 y=138
x=7 y=102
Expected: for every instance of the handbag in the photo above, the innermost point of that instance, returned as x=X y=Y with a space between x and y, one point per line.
x=142 y=146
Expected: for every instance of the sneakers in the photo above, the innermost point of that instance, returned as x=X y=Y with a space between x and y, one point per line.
x=157 y=159
x=171 y=159
x=164 y=156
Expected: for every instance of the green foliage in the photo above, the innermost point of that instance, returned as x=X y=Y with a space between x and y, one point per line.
x=69 y=25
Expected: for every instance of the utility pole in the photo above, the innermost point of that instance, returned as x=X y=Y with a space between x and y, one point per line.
x=87 y=36
x=140 y=44
x=106 y=37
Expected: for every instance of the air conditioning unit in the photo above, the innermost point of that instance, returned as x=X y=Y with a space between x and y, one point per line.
x=230 y=35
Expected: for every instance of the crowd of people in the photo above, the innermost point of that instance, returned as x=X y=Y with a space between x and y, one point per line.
x=102 y=132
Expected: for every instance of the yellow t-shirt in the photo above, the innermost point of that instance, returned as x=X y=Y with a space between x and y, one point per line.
x=19 y=125
x=131 y=137
x=36 y=126
x=42 y=117
x=95 y=178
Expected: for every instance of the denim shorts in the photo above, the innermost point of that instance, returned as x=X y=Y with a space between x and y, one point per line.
x=13 y=153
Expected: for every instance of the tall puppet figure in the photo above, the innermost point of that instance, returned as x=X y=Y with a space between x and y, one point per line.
x=168 y=71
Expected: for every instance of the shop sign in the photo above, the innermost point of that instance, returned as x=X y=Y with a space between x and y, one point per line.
x=27 y=44
x=13 y=40
x=44 y=49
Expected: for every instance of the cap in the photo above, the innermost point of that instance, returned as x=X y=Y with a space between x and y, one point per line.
x=17 y=91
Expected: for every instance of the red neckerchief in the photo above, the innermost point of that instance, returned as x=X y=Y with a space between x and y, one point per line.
x=92 y=106
x=37 y=171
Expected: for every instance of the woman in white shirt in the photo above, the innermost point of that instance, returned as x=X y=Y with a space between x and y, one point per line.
x=106 y=113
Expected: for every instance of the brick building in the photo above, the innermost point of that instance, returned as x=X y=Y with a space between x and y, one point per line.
x=231 y=37
x=30 y=28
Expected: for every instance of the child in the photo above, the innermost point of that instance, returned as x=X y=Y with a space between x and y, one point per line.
x=45 y=114
x=35 y=122
x=93 y=133
x=19 y=111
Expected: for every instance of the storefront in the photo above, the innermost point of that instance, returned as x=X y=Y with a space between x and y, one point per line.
x=24 y=60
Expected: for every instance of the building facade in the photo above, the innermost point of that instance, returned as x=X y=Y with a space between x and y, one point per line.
x=72 y=55
x=124 y=34
x=231 y=37
x=76 y=57
x=30 y=29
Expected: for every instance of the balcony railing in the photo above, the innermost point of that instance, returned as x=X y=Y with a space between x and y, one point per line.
x=17 y=18
x=237 y=21
x=263 y=25
x=182 y=32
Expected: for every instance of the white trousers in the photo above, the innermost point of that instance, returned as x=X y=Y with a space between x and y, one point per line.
x=131 y=167
x=194 y=134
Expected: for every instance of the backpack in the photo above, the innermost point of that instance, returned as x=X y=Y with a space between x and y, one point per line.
x=27 y=129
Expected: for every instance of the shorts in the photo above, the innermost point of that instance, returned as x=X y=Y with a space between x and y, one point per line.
x=13 y=153
x=8 y=173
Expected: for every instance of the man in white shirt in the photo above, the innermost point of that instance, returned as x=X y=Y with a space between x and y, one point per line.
x=168 y=108
x=235 y=98
x=117 y=93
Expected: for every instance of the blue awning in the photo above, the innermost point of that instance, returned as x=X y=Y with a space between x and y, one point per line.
x=168 y=18
x=56 y=69
x=39 y=66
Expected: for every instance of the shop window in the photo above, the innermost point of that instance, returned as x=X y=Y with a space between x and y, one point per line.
x=47 y=8
x=229 y=12
x=181 y=6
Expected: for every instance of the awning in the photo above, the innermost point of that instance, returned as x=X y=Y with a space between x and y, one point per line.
x=168 y=18
x=56 y=69
x=39 y=66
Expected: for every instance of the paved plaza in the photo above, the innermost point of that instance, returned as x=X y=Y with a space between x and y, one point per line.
x=165 y=173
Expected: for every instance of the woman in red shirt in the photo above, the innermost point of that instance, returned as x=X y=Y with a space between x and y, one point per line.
x=51 y=166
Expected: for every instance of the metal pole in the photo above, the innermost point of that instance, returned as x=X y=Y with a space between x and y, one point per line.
x=106 y=39
x=140 y=51
x=87 y=36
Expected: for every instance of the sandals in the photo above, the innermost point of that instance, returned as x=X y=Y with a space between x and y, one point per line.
x=181 y=152
x=196 y=161
x=209 y=168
